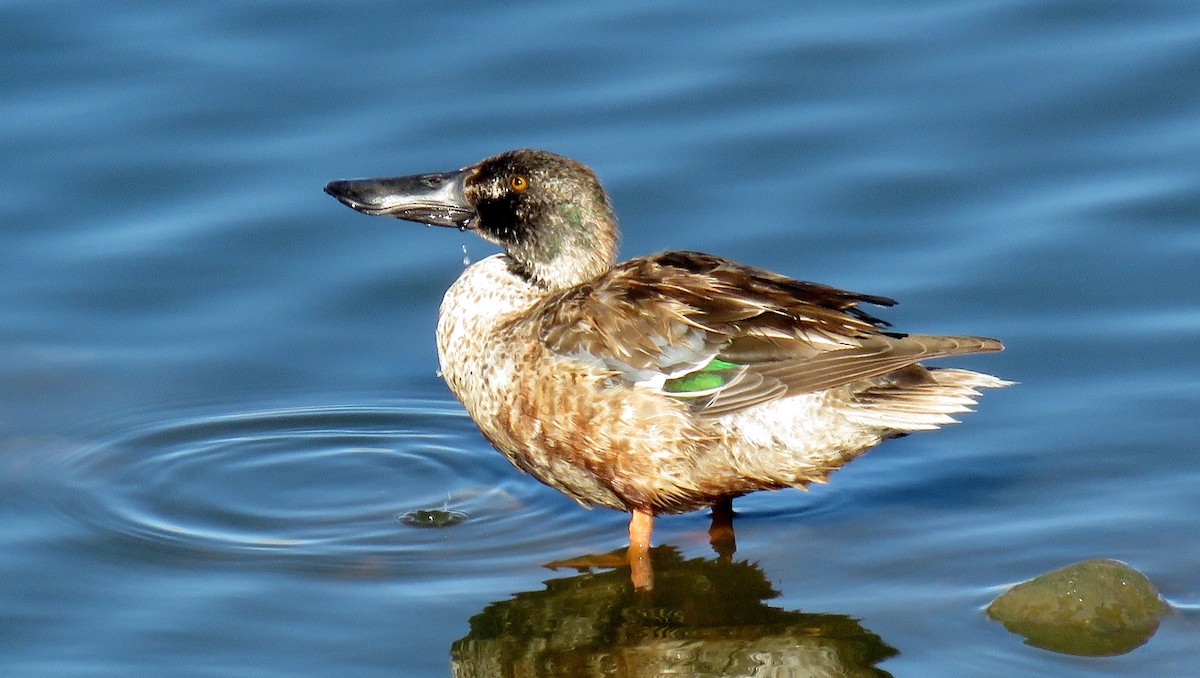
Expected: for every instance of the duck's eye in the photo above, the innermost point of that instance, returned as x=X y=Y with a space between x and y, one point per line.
x=518 y=183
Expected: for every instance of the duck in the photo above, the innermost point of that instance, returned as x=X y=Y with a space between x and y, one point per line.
x=665 y=383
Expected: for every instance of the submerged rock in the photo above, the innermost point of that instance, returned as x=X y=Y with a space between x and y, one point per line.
x=1094 y=607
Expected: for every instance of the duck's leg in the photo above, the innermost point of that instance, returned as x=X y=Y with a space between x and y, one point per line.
x=720 y=532
x=641 y=524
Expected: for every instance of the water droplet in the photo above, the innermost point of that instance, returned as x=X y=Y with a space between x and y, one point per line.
x=466 y=258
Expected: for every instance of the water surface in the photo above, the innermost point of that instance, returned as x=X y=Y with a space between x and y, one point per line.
x=218 y=389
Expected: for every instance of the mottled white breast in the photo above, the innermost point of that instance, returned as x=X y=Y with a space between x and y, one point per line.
x=471 y=349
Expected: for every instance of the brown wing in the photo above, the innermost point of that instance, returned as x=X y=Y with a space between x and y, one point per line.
x=660 y=321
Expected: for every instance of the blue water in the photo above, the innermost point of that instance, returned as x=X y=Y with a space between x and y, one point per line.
x=218 y=388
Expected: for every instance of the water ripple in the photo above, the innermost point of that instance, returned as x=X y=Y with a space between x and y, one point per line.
x=309 y=483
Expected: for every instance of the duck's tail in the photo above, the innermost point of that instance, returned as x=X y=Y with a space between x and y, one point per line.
x=918 y=398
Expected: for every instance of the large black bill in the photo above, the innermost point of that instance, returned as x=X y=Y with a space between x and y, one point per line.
x=436 y=199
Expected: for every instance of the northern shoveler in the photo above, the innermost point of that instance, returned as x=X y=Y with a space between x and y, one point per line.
x=665 y=383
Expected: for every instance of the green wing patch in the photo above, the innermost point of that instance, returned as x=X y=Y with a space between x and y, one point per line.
x=705 y=381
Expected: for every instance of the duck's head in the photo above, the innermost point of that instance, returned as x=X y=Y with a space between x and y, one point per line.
x=549 y=213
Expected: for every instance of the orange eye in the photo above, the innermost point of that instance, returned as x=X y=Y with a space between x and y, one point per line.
x=518 y=183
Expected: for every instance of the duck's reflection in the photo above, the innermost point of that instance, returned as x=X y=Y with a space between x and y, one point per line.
x=702 y=618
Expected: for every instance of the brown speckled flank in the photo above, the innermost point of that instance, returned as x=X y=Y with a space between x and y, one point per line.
x=665 y=383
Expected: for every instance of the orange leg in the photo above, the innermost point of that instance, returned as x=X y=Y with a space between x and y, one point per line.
x=641 y=524
x=720 y=532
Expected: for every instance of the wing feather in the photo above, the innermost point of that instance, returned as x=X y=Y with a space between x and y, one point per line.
x=653 y=321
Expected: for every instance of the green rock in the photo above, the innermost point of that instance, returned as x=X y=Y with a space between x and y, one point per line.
x=1096 y=607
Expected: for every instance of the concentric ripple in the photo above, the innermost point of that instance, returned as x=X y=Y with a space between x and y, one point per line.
x=307 y=482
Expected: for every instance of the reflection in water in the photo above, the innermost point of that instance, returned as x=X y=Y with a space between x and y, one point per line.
x=703 y=618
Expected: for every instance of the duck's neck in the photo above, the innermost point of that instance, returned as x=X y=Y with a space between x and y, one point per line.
x=577 y=245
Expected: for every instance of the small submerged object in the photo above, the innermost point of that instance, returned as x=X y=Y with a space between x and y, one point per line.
x=442 y=517
x=1098 y=607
